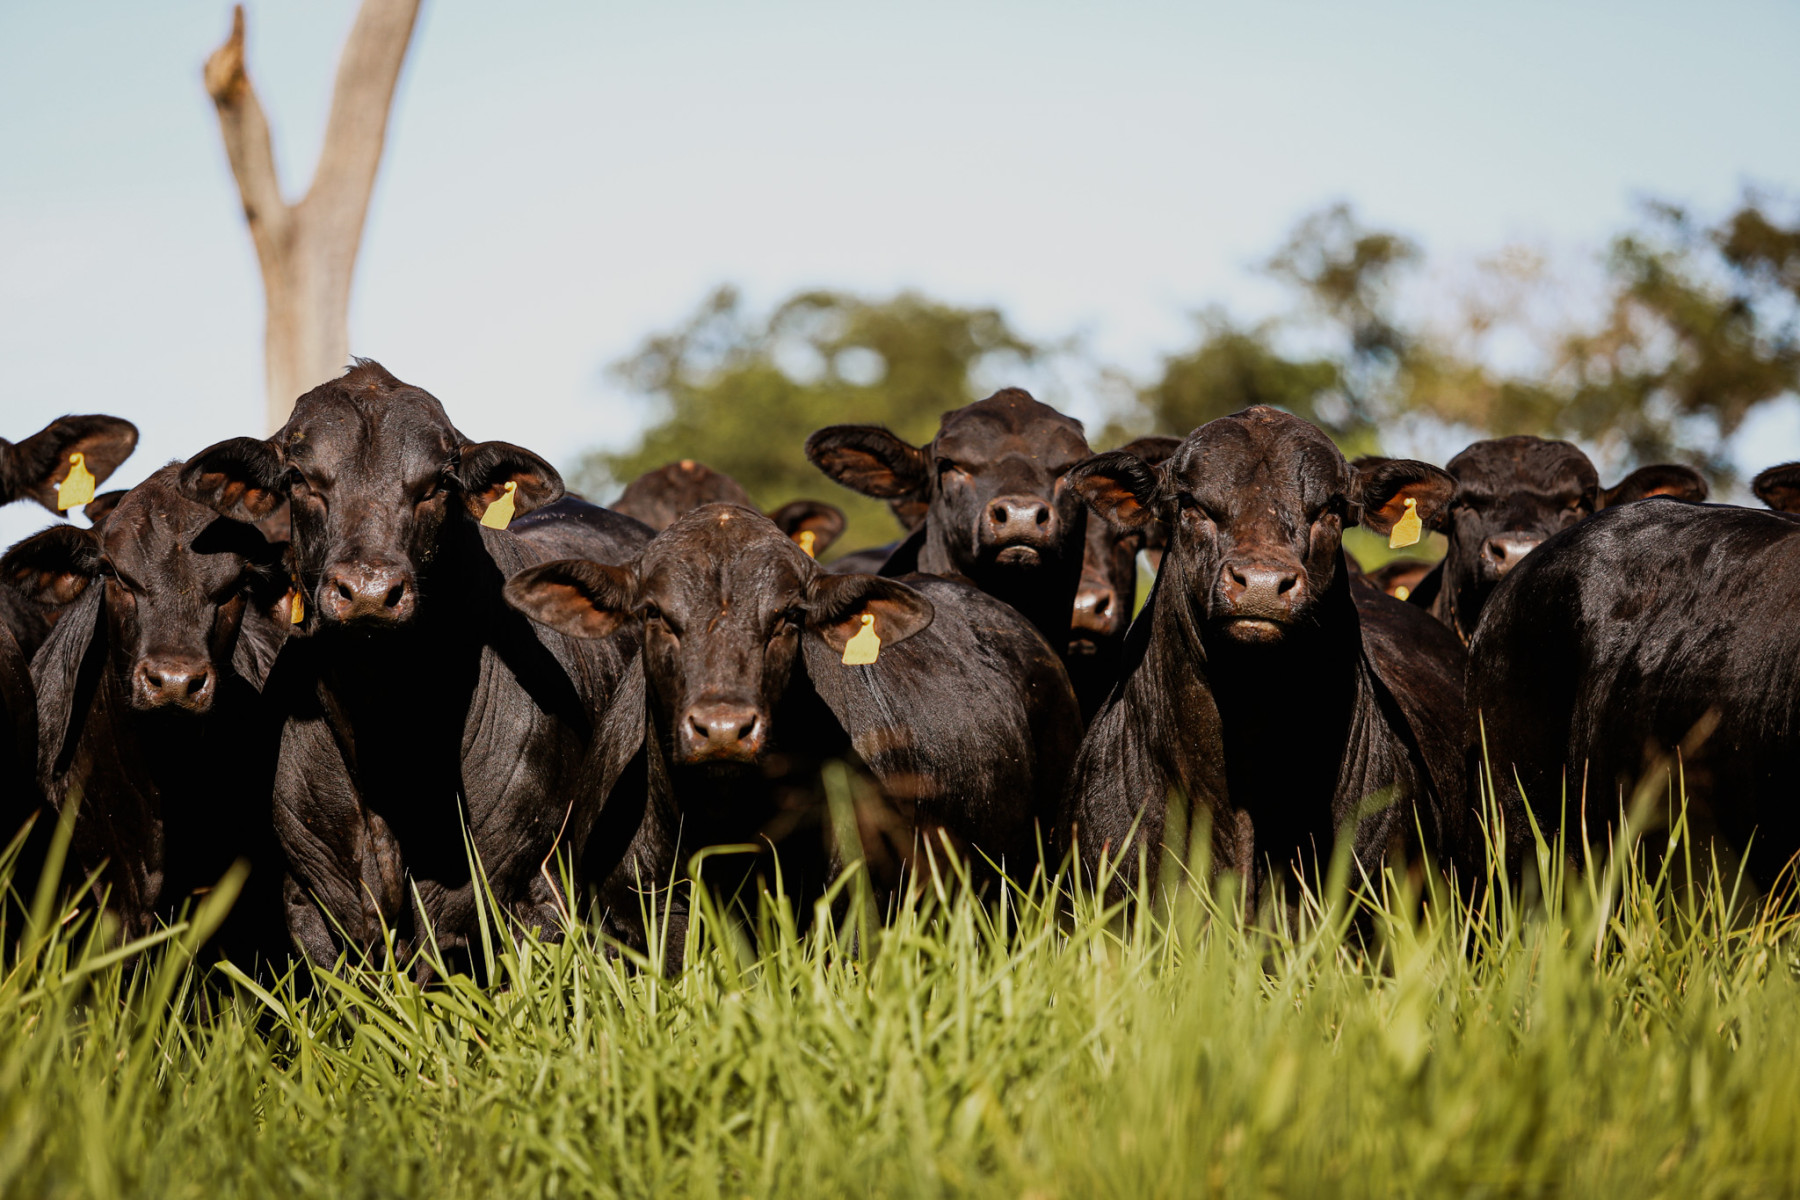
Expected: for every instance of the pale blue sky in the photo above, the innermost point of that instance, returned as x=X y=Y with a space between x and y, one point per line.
x=564 y=178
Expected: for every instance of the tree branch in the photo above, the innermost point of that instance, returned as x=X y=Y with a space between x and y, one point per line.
x=367 y=74
x=246 y=134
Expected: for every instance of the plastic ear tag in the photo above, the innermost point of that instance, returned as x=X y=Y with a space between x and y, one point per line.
x=499 y=514
x=865 y=647
x=297 y=610
x=77 y=487
x=808 y=540
x=1402 y=592
x=1408 y=528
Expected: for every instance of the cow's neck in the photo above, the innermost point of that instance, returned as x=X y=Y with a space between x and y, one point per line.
x=776 y=802
x=1281 y=716
x=1043 y=594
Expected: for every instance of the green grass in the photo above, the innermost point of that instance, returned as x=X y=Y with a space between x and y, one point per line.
x=1618 y=1032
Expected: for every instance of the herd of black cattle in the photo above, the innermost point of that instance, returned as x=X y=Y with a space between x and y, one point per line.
x=382 y=662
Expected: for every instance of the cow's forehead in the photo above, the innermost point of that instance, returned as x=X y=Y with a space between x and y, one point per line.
x=1010 y=420
x=721 y=550
x=1260 y=447
x=403 y=433
x=154 y=522
x=1523 y=463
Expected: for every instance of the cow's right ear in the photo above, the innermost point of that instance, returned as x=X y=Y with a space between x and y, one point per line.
x=575 y=596
x=1384 y=485
x=241 y=478
x=870 y=460
x=485 y=468
x=36 y=465
x=1658 y=479
x=52 y=569
x=1779 y=487
x=1118 y=485
x=837 y=604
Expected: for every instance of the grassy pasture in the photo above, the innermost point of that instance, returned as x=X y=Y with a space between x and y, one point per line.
x=1615 y=1032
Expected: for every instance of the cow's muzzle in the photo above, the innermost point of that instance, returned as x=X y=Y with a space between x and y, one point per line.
x=172 y=681
x=1259 y=599
x=1502 y=552
x=1020 y=528
x=370 y=593
x=721 y=731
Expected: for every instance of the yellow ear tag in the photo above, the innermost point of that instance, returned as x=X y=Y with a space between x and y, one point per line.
x=297 y=609
x=807 y=539
x=77 y=487
x=499 y=514
x=865 y=647
x=1408 y=528
x=1402 y=592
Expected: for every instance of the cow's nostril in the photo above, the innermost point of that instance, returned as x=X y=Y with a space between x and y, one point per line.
x=1102 y=603
x=343 y=589
x=196 y=683
x=998 y=513
x=1286 y=585
x=1043 y=515
x=153 y=678
x=395 y=595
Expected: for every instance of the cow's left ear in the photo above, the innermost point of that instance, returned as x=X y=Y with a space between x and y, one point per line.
x=1118 y=485
x=36 y=465
x=1384 y=485
x=1779 y=487
x=823 y=521
x=487 y=467
x=836 y=605
x=1657 y=479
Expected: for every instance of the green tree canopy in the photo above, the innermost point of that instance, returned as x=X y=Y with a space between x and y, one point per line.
x=742 y=393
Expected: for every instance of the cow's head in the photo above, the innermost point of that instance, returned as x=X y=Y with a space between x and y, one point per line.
x=1108 y=591
x=724 y=599
x=374 y=473
x=34 y=467
x=657 y=497
x=1513 y=493
x=187 y=594
x=1255 y=506
x=992 y=481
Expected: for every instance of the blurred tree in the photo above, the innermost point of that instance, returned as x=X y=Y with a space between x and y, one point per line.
x=741 y=394
x=307 y=250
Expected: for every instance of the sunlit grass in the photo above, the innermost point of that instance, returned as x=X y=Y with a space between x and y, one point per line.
x=1617 y=1032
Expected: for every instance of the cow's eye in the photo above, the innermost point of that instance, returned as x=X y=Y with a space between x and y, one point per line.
x=656 y=615
x=945 y=466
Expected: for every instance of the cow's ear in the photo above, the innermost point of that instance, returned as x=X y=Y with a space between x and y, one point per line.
x=52 y=569
x=241 y=478
x=101 y=506
x=487 y=467
x=1118 y=485
x=1155 y=450
x=823 y=521
x=1384 y=485
x=1779 y=487
x=1657 y=479
x=64 y=672
x=836 y=605
x=870 y=460
x=575 y=597
x=268 y=623
x=36 y=465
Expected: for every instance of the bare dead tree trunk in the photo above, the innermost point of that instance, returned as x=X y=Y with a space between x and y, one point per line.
x=308 y=250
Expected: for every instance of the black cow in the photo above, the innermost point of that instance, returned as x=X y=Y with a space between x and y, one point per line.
x=998 y=510
x=658 y=497
x=34 y=468
x=148 y=707
x=419 y=706
x=1511 y=494
x=1280 y=702
x=965 y=719
x=1655 y=637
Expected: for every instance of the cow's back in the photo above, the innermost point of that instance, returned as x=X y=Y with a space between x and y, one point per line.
x=1626 y=637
